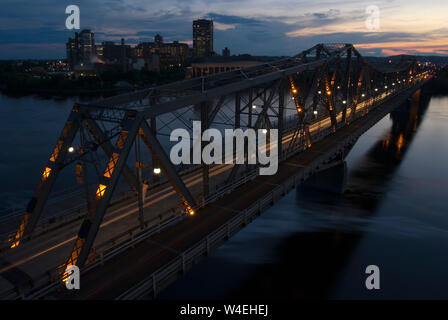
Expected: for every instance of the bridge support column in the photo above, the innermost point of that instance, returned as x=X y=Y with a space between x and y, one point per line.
x=332 y=178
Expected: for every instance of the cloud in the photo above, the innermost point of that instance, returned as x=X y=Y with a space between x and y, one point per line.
x=262 y=27
x=222 y=26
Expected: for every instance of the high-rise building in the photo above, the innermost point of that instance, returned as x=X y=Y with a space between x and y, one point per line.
x=203 y=38
x=87 y=45
x=73 y=50
x=81 y=49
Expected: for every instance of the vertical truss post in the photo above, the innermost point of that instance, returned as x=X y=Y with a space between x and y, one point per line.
x=329 y=101
x=205 y=168
x=84 y=170
x=155 y=162
x=237 y=110
x=237 y=117
x=250 y=104
x=358 y=88
x=346 y=85
x=281 y=118
x=139 y=183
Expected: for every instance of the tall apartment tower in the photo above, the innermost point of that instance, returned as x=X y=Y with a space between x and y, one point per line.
x=87 y=45
x=203 y=38
x=81 y=49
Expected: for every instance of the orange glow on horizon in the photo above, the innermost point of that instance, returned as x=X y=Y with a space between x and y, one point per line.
x=46 y=173
x=407 y=47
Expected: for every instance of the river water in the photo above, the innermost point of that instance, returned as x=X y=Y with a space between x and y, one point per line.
x=310 y=244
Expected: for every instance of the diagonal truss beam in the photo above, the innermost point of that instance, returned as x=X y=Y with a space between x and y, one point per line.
x=154 y=145
x=91 y=224
x=55 y=164
x=98 y=134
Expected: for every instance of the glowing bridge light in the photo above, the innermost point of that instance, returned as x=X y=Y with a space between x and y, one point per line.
x=376 y=89
x=328 y=92
x=66 y=273
x=100 y=191
x=190 y=210
x=294 y=90
x=46 y=173
x=315 y=112
x=157 y=170
x=339 y=87
x=254 y=107
x=385 y=87
x=363 y=95
x=344 y=101
x=71 y=149
x=14 y=245
x=319 y=92
x=264 y=131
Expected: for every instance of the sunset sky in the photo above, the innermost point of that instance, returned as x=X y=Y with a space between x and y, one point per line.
x=36 y=29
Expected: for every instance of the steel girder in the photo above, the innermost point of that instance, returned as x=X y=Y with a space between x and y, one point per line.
x=55 y=164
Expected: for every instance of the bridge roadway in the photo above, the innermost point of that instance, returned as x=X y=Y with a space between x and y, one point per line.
x=129 y=269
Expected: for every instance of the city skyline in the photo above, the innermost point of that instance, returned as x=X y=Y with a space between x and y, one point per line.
x=267 y=28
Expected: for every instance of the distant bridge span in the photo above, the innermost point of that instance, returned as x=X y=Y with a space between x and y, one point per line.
x=320 y=100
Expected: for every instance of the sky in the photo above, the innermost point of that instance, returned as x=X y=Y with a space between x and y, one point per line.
x=36 y=29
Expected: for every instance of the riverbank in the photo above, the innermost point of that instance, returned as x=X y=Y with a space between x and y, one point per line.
x=26 y=79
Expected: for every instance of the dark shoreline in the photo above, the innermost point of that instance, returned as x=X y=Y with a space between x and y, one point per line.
x=63 y=93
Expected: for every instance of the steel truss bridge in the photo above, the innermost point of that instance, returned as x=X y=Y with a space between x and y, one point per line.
x=320 y=100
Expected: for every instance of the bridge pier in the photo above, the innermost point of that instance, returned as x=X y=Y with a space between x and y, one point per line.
x=332 y=178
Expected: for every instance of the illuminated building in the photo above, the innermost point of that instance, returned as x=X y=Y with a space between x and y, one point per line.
x=203 y=38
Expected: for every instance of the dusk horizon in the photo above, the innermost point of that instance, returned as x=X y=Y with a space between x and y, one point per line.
x=269 y=28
